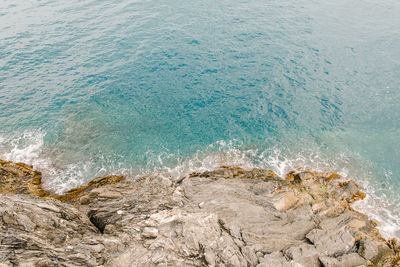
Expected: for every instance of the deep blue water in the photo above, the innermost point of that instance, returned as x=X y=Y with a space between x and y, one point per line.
x=91 y=87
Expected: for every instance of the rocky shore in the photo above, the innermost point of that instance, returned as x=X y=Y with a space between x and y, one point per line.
x=226 y=217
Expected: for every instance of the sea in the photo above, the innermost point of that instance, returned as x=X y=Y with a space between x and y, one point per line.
x=92 y=87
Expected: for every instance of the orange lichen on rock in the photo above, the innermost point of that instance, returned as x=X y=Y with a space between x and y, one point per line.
x=19 y=178
x=35 y=187
x=305 y=220
x=75 y=193
x=233 y=172
x=304 y=175
x=391 y=258
x=358 y=196
x=232 y=168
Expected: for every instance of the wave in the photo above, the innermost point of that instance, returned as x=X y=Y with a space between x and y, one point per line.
x=30 y=147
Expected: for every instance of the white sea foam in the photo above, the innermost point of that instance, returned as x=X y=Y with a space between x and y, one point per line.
x=29 y=148
x=378 y=207
x=376 y=204
x=232 y=154
x=216 y=155
x=25 y=148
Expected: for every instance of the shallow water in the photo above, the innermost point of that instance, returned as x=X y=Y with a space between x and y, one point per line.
x=92 y=87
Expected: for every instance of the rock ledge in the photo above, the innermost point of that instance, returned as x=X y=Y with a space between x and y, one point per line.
x=226 y=217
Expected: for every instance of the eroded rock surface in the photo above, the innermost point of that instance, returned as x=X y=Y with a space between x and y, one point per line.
x=19 y=178
x=46 y=232
x=227 y=217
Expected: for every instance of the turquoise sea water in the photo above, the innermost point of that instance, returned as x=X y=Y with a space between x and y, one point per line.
x=91 y=87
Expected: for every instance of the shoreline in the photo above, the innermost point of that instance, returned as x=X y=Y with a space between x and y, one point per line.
x=61 y=176
x=307 y=216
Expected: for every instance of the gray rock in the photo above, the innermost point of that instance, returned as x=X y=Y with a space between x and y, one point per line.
x=303 y=255
x=373 y=250
x=274 y=259
x=35 y=232
x=352 y=259
x=227 y=217
x=368 y=249
x=335 y=242
x=149 y=232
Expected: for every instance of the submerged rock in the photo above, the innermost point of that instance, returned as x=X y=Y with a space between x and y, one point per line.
x=226 y=217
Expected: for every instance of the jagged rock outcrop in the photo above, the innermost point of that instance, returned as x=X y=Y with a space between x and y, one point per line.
x=227 y=217
x=19 y=178
x=46 y=232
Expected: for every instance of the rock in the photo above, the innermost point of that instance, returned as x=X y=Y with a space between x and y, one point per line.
x=351 y=259
x=76 y=193
x=149 y=232
x=334 y=242
x=226 y=217
x=286 y=201
x=19 y=178
x=274 y=259
x=373 y=251
x=36 y=231
x=368 y=249
x=303 y=255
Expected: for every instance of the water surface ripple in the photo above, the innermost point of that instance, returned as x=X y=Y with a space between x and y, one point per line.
x=93 y=86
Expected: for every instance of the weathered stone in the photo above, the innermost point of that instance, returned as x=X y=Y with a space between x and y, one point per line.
x=303 y=255
x=226 y=217
x=19 y=178
x=285 y=201
x=373 y=251
x=76 y=193
x=335 y=242
x=274 y=259
x=351 y=259
x=35 y=231
x=149 y=232
x=368 y=249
